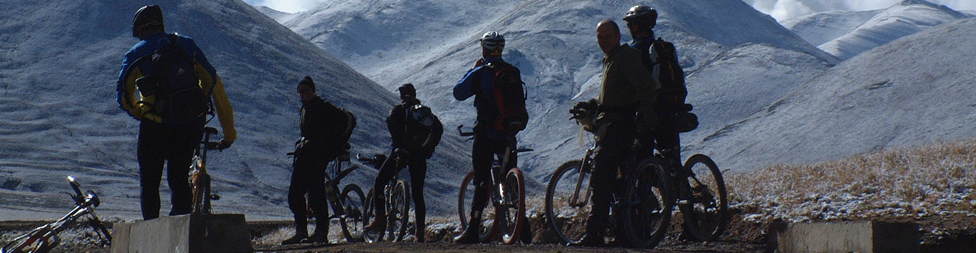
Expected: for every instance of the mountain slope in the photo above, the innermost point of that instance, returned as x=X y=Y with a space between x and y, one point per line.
x=896 y=95
x=58 y=115
x=904 y=18
x=554 y=44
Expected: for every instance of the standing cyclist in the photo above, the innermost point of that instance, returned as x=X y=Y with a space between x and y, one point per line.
x=411 y=146
x=323 y=126
x=626 y=106
x=172 y=117
x=657 y=56
x=498 y=120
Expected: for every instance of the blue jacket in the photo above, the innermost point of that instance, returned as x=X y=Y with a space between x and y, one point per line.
x=478 y=82
x=129 y=97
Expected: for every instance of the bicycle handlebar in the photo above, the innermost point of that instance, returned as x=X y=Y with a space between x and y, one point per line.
x=463 y=133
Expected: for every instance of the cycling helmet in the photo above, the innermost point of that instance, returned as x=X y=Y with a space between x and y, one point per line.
x=641 y=15
x=492 y=41
x=147 y=16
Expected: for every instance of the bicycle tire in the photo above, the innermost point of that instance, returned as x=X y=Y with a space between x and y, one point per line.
x=706 y=214
x=399 y=212
x=465 y=199
x=512 y=216
x=201 y=192
x=353 y=205
x=568 y=216
x=648 y=206
x=370 y=236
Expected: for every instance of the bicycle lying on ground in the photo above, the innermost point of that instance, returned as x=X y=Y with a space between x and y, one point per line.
x=347 y=205
x=45 y=238
x=199 y=179
x=505 y=212
x=397 y=203
x=640 y=209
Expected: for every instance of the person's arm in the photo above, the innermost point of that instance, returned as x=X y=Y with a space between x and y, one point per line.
x=210 y=81
x=646 y=94
x=395 y=123
x=465 y=88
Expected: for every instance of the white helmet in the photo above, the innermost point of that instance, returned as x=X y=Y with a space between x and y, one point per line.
x=492 y=41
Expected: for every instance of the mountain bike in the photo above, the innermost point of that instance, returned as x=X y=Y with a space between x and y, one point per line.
x=641 y=205
x=347 y=204
x=701 y=196
x=397 y=203
x=45 y=238
x=199 y=179
x=505 y=211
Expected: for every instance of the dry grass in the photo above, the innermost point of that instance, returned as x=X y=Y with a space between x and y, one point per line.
x=914 y=182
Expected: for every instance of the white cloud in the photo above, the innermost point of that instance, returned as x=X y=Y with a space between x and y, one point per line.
x=787 y=9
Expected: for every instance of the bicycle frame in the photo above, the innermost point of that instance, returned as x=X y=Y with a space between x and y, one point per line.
x=332 y=190
x=44 y=238
x=200 y=180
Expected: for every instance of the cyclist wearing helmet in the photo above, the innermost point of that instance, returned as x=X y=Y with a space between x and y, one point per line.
x=161 y=141
x=626 y=106
x=492 y=135
x=640 y=21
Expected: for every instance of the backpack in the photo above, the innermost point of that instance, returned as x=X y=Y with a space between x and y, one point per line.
x=347 y=130
x=670 y=103
x=508 y=91
x=672 y=93
x=173 y=81
x=423 y=129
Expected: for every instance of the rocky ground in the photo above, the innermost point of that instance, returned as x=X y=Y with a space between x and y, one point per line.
x=952 y=233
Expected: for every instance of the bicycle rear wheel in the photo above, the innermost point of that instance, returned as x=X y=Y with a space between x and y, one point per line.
x=465 y=200
x=567 y=201
x=353 y=204
x=706 y=213
x=399 y=211
x=512 y=213
x=649 y=205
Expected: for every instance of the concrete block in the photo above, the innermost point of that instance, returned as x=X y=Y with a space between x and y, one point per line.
x=185 y=233
x=844 y=237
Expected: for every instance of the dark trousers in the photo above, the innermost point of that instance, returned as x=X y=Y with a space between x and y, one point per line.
x=418 y=172
x=612 y=155
x=173 y=146
x=308 y=177
x=482 y=155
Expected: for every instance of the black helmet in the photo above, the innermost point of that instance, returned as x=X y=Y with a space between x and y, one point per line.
x=641 y=15
x=147 y=16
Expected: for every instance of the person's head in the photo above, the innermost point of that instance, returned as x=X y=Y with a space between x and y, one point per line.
x=608 y=35
x=306 y=89
x=148 y=20
x=492 y=44
x=640 y=19
x=407 y=92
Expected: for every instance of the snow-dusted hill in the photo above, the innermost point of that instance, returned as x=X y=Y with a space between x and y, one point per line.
x=58 y=115
x=846 y=34
x=738 y=59
x=912 y=91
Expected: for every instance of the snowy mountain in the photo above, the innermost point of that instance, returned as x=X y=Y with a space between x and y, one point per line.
x=60 y=62
x=738 y=60
x=845 y=34
x=896 y=95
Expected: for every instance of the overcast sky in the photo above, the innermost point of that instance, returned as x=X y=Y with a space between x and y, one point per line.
x=779 y=9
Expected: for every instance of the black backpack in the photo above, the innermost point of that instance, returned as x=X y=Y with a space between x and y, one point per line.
x=670 y=103
x=672 y=93
x=347 y=130
x=423 y=129
x=509 y=94
x=173 y=81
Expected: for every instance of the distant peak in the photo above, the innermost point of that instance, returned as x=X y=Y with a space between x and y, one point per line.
x=918 y=2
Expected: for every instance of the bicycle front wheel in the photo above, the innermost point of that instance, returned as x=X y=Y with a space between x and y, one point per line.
x=399 y=211
x=567 y=201
x=368 y=216
x=512 y=213
x=649 y=205
x=706 y=212
x=353 y=204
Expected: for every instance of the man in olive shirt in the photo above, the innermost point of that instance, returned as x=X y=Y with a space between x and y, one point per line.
x=626 y=105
